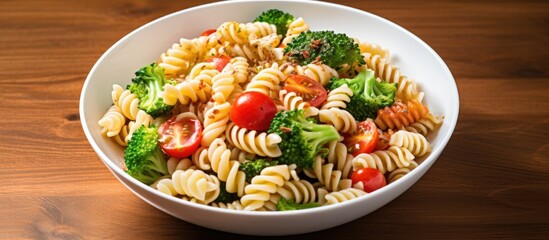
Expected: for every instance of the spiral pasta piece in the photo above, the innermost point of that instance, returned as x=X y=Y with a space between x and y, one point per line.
x=342 y=120
x=397 y=174
x=165 y=185
x=291 y=101
x=343 y=195
x=126 y=101
x=266 y=47
x=223 y=83
x=407 y=88
x=384 y=160
x=200 y=158
x=339 y=156
x=400 y=115
x=215 y=122
x=294 y=29
x=373 y=49
x=425 y=125
x=187 y=92
x=239 y=66
x=328 y=177
x=415 y=142
x=321 y=73
x=262 y=186
x=196 y=184
x=121 y=137
x=245 y=51
x=203 y=71
x=301 y=191
x=112 y=122
x=266 y=80
x=338 y=98
x=180 y=57
x=262 y=144
x=233 y=32
x=227 y=170
x=260 y=29
x=209 y=45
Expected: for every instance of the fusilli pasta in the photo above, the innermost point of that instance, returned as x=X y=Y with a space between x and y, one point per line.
x=338 y=98
x=329 y=178
x=384 y=160
x=251 y=141
x=208 y=76
x=180 y=57
x=112 y=122
x=400 y=115
x=126 y=101
x=342 y=120
x=196 y=184
x=263 y=185
x=343 y=195
x=415 y=142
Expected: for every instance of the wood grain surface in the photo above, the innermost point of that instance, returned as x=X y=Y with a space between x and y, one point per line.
x=492 y=180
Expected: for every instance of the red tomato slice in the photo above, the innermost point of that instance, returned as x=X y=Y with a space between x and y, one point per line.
x=371 y=179
x=364 y=140
x=180 y=136
x=220 y=61
x=207 y=32
x=253 y=111
x=310 y=90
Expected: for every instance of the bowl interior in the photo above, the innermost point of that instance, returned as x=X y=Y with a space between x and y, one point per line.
x=411 y=55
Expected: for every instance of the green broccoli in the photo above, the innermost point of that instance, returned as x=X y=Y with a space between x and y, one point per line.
x=144 y=159
x=302 y=140
x=369 y=95
x=147 y=86
x=278 y=18
x=333 y=49
x=224 y=196
x=254 y=167
x=288 y=205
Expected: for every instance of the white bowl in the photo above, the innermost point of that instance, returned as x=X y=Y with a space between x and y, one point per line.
x=144 y=45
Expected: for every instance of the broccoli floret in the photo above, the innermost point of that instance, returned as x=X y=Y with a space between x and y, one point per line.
x=144 y=159
x=369 y=95
x=278 y=18
x=333 y=49
x=224 y=196
x=302 y=139
x=253 y=168
x=288 y=205
x=147 y=86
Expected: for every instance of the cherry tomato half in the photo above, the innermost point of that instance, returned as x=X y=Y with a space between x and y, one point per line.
x=253 y=110
x=364 y=140
x=310 y=90
x=371 y=179
x=207 y=32
x=220 y=61
x=180 y=135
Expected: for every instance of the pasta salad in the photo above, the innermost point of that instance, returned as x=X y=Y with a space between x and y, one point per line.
x=268 y=115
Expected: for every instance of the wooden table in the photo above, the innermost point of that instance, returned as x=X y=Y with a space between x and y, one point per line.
x=492 y=180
